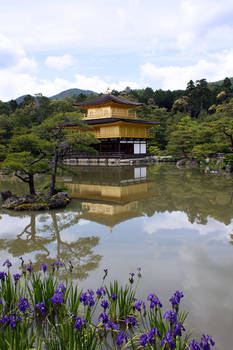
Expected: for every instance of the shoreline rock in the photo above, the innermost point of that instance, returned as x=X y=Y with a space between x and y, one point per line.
x=34 y=202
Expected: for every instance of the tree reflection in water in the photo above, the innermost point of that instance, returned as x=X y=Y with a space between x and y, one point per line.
x=31 y=240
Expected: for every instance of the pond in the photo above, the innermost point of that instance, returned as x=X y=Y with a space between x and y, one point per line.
x=176 y=224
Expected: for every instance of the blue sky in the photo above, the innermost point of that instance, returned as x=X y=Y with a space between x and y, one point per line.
x=53 y=45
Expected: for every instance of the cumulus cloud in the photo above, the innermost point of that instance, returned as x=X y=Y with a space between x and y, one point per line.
x=60 y=62
x=218 y=66
x=11 y=226
x=177 y=35
x=179 y=220
x=13 y=84
x=13 y=57
x=125 y=24
x=19 y=74
x=99 y=85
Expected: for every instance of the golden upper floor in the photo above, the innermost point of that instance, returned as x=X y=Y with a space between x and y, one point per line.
x=108 y=106
x=109 y=112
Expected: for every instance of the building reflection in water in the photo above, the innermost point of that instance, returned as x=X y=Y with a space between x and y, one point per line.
x=107 y=196
x=111 y=195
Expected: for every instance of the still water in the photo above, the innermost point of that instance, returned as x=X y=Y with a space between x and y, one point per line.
x=176 y=224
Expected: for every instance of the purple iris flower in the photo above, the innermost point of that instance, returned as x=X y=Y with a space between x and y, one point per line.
x=23 y=304
x=169 y=339
x=44 y=267
x=130 y=321
x=79 y=323
x=113 y=296
x=143 y=339
x=57 y=264
x=121 y=337
x=171 y=316
x=29 y=268
x=87 y=298
x=1 y=301
x=40 y=307
x=193 y=345
x=3 y=275
x=175 y=299
x=100 y=292
x=7 y=263
x=11 y=320
x=105 y=304
x=112 y=326
x=140 y=304
x=151 y=335
x=178 y=328
x=154 y=301
x=16 y=277
x=103 y=317
x=57 y=298
x=206 y=342
x=61 y=288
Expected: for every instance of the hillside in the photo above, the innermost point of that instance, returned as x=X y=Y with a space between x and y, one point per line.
x=71 y=92
x=218 y=83
x=63 y=94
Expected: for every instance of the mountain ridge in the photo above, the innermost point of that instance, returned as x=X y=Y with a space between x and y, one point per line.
x=63 y=94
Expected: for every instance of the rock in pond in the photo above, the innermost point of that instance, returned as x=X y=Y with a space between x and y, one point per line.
x=34 y=202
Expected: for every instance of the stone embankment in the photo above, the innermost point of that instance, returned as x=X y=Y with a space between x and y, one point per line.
x=115 y=161
x=34 y=202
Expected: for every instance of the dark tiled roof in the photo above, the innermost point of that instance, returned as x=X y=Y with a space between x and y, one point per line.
x=115 y=120
x=111 y=120
x=105 y=99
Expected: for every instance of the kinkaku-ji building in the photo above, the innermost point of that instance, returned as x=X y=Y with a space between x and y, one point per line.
x=113 y=121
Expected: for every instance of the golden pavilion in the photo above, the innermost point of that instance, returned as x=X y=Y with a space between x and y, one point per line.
x=112 y=120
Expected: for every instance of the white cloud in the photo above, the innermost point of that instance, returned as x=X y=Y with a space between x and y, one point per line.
x=113 y=24
x=178 y=35
x=176 y=77
x=99 y=85
x=10 y=227
x=13 y=84
x=60 y=62
x=13 y=57
x=179 y=220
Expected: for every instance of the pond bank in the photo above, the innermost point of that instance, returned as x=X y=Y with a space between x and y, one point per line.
x=34 y=202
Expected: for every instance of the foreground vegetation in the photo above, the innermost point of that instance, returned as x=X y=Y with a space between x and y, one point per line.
x=40 y=312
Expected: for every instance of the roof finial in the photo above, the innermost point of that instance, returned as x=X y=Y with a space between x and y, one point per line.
x=108 y=91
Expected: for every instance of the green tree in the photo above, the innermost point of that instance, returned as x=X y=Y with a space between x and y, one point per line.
x=203 y=94
x=4 y=108
x=61 y=140
x=6 y=129
x=183 y=138
x=25 y=158
x=227 y=85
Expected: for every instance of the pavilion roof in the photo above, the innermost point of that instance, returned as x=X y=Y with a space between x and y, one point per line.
x=107 y=98
x=111 y=120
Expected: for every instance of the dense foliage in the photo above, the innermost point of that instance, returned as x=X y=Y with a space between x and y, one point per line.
x=37 y=311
